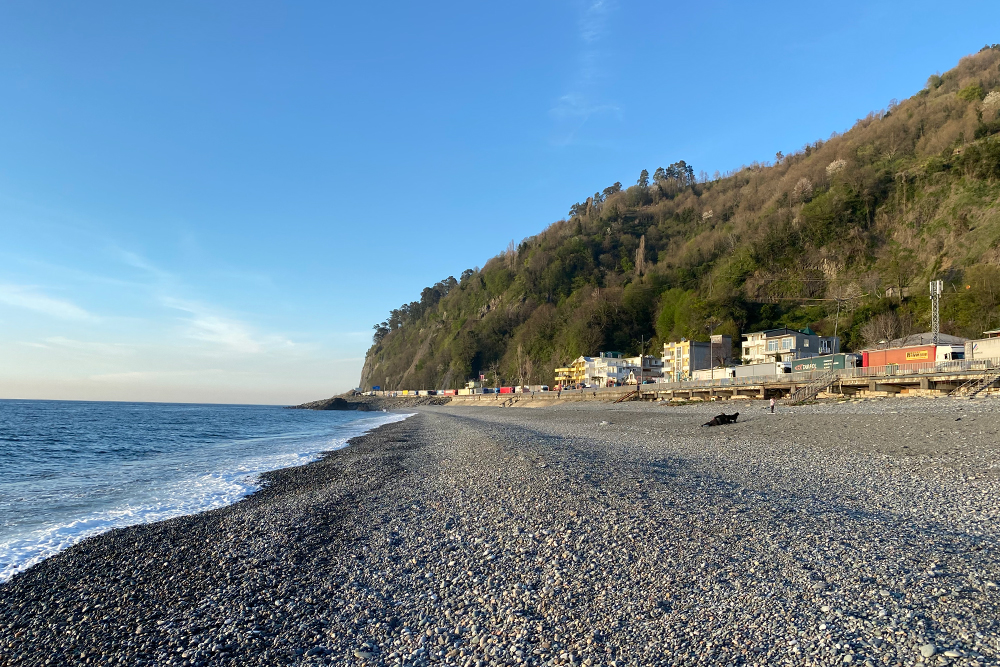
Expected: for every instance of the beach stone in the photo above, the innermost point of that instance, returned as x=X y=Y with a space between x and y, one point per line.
x=647 y=544
x=927 y=650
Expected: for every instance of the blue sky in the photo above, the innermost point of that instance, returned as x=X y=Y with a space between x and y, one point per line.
x=215 y=201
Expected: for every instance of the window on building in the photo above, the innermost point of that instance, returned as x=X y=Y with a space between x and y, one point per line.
x=772 y=346
x=805 y=343
x=786 y=343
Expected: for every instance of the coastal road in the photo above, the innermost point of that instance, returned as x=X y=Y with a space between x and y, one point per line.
x=859 y=533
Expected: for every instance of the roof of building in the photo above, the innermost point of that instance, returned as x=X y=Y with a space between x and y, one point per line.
x=926 y=338
x=764 y=331
x=783 y=330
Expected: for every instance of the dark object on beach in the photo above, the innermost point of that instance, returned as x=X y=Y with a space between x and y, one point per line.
x=719 y=420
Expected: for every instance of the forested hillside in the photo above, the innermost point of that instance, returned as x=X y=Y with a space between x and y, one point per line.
x=843 y=236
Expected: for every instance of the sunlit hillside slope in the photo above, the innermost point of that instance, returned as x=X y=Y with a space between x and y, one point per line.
x=831 y=236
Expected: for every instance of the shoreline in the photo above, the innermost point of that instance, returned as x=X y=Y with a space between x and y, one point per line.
x=233 y=484
x=584 y=534
x=142 y=564
x=552 y=399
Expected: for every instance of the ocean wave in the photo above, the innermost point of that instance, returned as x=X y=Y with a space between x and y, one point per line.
x=181 y=497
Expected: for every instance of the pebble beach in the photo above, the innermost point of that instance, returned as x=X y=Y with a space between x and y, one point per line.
x=590 y=534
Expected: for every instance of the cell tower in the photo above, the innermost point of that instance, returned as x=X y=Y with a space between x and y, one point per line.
x=937 y=286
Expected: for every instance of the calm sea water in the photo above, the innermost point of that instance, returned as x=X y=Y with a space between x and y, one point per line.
x=69 y=470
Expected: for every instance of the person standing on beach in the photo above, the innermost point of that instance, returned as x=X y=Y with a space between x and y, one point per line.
x=772 y=405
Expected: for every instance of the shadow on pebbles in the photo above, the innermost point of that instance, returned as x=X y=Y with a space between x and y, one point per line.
x=596 y=536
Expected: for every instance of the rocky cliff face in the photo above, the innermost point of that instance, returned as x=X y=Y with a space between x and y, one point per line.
x=367 y=369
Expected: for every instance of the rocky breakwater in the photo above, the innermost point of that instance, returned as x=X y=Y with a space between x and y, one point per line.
x=372 y=403
x=579 y=535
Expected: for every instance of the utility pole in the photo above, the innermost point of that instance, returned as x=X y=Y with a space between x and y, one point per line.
x=836 y=322
x=712 y=322
x=711 y=355
x=937 y=286
x=642 y=351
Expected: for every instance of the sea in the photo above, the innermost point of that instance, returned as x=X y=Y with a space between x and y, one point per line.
x=73 y=469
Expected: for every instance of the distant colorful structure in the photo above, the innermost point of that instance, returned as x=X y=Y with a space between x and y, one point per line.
x=786 y=345
x=681 y=359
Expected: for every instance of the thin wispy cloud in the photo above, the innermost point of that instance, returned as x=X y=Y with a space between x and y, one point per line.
x=225 y=332
x=584 y=100
x=105 y=349
x=31 y=298
x=137 y=261
x=577 y=106
x=594 y=20
x=145 y=376
x=63 y=273
x=205 y=325
x=166 y=278
x=204 y=322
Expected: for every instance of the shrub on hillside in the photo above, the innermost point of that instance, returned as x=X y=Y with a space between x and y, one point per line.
x=971 y=93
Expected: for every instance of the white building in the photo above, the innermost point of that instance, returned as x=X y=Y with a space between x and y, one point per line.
x=652 y=367
x=786 y=345
x=609 y=369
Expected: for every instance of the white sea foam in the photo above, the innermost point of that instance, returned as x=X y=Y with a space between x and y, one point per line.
x=191 y=496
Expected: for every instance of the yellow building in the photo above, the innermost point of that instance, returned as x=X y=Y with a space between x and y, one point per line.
x=575 y=373
x=681 y=359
